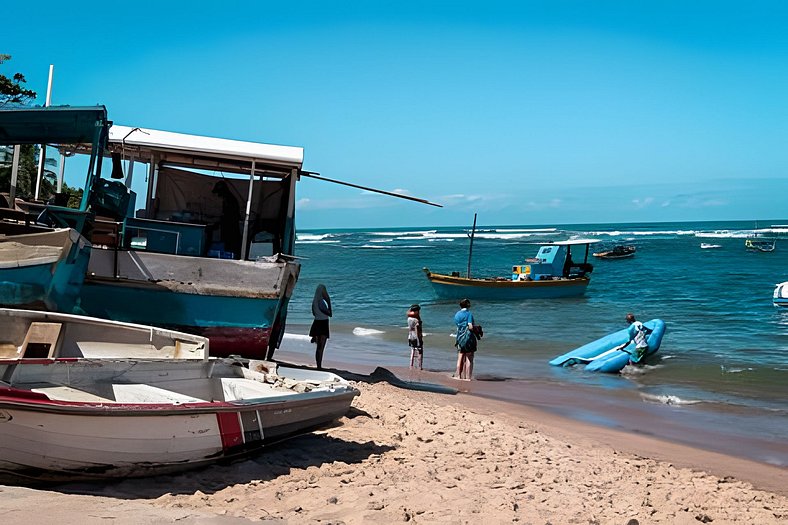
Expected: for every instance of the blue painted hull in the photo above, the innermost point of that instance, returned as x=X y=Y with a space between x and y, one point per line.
x=52 y=286
x=235 y=325
x=600 y=356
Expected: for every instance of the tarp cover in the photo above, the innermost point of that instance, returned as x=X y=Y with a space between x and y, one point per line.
x=51 y=125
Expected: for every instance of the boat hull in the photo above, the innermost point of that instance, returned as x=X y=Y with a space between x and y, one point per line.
x=51 y=441
x=241 y=306
x=780 y=296
x=601 y=355
x=43 y=270
x=450 y=287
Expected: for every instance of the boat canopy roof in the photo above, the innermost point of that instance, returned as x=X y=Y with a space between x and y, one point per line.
x=570 y=242
x=52 y=125
x=202 y=152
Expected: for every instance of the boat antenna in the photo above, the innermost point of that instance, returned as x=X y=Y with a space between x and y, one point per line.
x=317 y=176
x=470 y=250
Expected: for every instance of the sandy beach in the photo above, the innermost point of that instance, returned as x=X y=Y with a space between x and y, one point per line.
x=420 y=457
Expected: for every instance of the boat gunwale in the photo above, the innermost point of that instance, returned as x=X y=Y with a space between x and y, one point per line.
x=31 y=402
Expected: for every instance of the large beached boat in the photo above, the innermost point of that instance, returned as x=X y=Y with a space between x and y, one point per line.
x=86 y=398
x=208 y=250
x=555 y=271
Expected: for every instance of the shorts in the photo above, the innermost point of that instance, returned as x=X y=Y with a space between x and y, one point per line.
x=319 y=327
x=414 y=343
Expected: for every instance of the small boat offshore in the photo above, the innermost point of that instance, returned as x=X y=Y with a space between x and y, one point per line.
x=617 y=252
x=780 y=296
x=553 y=272
x=760 y=245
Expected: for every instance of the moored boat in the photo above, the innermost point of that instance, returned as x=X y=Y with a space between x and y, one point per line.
x=617 y=252
x=780 y=295
x=760 y=245
x=85 y=398
x=552 y=273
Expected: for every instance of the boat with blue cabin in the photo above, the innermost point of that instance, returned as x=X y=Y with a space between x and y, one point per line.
x=555 y=271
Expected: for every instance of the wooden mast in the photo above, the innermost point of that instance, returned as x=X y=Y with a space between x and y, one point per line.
x=470 y=250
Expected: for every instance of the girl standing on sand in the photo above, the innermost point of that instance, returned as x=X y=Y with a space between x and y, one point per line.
x=415 y=335
x=321 y=311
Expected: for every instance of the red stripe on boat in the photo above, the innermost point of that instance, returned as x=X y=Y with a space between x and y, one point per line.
x=230 y=429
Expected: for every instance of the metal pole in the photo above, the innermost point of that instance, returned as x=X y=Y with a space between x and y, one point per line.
x=60 y=175
x=248 y=213
x=14 y=174
x=43 y=154
x=470 y=251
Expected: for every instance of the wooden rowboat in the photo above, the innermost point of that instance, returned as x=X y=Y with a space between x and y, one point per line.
x=84 y=398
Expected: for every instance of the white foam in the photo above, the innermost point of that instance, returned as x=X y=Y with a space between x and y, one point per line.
x=363 y=332
x=669 y=400
x=312 y=236
x=296 y=337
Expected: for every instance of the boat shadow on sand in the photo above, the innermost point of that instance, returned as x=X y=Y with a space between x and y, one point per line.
x=298 y=453
x=278 y=459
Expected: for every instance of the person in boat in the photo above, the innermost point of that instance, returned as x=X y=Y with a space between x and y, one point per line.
x=415 y=336
x=321 y=311
x=231 y=217
x=637 y=332
x=467 y=334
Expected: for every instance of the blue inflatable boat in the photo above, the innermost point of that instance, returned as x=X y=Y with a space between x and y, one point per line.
x=601 y=355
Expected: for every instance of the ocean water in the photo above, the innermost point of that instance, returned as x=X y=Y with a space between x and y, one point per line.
x=723 y=362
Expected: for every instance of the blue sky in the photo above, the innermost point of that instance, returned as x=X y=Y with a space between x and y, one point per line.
x=526 y=112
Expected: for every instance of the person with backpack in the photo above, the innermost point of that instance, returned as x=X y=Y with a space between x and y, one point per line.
x=637 y=332
x=467 y=334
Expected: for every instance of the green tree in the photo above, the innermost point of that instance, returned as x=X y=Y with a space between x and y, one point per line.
x=12 y=90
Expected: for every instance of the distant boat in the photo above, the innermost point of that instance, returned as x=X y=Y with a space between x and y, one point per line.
x=780 y=297
x=618 y=252
x=552 y=273
x=708 y=246
x=760 y=245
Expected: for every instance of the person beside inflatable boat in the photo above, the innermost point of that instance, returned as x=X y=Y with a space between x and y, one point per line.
x=637 y=332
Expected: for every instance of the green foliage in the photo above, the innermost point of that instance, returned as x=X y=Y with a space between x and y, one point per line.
x=12 y=90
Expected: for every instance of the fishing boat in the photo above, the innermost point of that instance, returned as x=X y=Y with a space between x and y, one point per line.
x=86 y=398
x=617 y=252
x=780 y=296
x=760 y=245
x=606 y=355
x=208 y=250
x=43 y=253
x=553 y=272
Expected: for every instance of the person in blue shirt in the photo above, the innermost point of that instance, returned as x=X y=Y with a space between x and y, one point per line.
x=466 y=341
x=637 y=332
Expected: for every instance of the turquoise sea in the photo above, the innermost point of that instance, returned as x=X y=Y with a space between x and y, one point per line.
x=720 y=379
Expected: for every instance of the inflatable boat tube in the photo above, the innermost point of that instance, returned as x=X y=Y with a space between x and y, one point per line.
x=601 y=355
